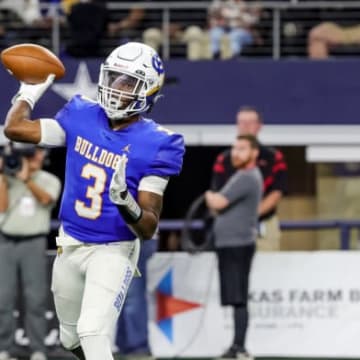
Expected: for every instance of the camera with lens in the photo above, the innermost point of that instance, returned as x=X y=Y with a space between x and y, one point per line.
x=13 y=157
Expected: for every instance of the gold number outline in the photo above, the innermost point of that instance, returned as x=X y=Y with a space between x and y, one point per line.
x=94 y=192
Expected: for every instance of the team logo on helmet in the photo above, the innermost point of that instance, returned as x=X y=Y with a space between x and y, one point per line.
x=157 y=64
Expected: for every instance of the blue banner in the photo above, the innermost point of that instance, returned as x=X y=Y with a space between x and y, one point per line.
x=210 y=92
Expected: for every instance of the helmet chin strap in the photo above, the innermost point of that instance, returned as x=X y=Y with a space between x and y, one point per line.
x=116 y=117
x=121 y=117
x=145 y=106
x=153 y=102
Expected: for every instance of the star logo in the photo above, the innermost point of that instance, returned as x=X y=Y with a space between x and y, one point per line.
x=169 y=306
x=82 y=85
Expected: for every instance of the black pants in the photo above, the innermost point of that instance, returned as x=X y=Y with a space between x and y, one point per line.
x=234 y=271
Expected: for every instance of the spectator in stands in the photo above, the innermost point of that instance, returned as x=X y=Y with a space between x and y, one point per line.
x=27 y=196
x=140 y=24
x=185 y=28
x=327 y=35
x=87 y=22
x=130 y=24
x=235 y=229
x=234 y=19
x=30 y=13
x=23 y=19
x=50 y=11
x=66 y=5
x=27 y=10
x=274 y=171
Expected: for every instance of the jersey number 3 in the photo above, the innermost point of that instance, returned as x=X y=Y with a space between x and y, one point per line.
x=93 y=193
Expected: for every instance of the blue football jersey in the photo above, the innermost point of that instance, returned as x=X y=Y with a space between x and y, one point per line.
x=93 y=150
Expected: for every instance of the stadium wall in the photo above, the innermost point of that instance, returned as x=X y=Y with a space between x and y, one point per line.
x=303 y=102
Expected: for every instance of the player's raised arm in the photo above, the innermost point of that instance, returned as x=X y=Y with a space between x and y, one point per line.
x=36 y=68
x=18 y=126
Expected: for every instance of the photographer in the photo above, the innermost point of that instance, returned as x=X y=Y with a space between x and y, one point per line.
x=27 y=196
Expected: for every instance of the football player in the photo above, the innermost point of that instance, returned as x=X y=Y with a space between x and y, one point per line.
x=118 y=163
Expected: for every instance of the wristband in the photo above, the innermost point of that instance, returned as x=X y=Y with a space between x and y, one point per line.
x=129 y=209
x=31 y=93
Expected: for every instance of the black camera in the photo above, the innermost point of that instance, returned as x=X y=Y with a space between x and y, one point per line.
x=12 y=163
x=12 y=157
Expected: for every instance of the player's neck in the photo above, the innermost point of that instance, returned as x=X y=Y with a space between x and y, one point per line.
x=123 y=123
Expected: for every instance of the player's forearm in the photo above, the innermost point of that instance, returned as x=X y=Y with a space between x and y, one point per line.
x=146 y=226
x=141 y=214
x=142 y=221
x=18 y=127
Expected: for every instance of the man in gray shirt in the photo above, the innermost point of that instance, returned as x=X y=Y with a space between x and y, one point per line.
x=235 y=209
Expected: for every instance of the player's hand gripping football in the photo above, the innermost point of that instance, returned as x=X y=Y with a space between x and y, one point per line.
x=31 y=93
x=118 y=184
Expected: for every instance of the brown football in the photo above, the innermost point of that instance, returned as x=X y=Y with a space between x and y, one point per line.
x=31 y=63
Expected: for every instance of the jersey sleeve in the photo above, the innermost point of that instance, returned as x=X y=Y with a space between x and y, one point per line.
x=169 y=158
x=52 y=134
x=63 y=115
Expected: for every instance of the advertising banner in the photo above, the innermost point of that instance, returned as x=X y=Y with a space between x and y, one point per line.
x=185 y=316
x=301 y=304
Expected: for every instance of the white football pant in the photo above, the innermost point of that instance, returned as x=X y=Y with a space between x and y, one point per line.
x=89 y=284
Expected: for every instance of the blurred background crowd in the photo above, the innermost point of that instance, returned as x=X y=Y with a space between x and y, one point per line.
x=193 y=29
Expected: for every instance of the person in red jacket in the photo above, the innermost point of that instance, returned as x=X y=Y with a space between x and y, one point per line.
x=274 y=171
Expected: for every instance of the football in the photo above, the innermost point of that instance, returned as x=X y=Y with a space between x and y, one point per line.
x=31 y=63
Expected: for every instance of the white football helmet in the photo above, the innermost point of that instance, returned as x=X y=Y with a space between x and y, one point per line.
x=130 y=80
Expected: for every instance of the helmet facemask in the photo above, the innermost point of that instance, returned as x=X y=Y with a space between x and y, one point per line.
x=130 y=80
x=121 y=94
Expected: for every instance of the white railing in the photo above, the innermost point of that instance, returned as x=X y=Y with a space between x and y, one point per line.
x=273 y=26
